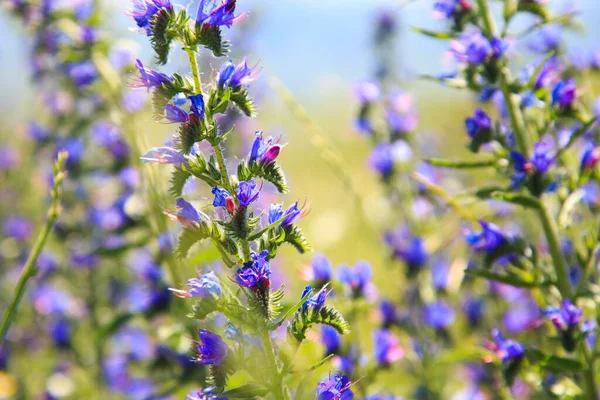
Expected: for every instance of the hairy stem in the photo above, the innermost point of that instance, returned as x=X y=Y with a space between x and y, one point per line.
x=514 y=113
x=29 y=270
x=277 y=388
x=195 y=71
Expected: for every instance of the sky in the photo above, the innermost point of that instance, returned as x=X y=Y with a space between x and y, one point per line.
x=313 y=46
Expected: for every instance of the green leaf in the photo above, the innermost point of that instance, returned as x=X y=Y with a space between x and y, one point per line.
x=433 y=34
x=190 y=236
x=244 y=102
x=258 y=234
x=295 y=237
x=553 y=363
x=246 y=391
x=210 y=37
x=509 y=280
x=534 y=8
x=160 y=39
x=289 y=312
x=516 y=198
x=273 y=173
x=438 y=162
x=306 y=317
x=178 y=180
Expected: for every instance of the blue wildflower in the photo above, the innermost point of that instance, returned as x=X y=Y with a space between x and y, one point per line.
x=255 y=273
x=264 y=151
x=237 y=76
x=330 y=339
x=337 y=387
x=507 y=349
x=479 y=125
x=163 y=155
x=410 y=249
x=356 y=278
x=472 y=48
x=367 y=92
x=449 y=9
x=82 y=73
x=590 y=156
x=319 y=271
x=207 y=285
x=221 y=196
x=315 y=301
x=388 y=312
x=211 y=14
x=473 y=308
x=565 y=317
x=186 y=214
x=210 y=349
x=149 y=78
x=488 y=240
x=144 y=10
x=439 y=315
x=387 y=348
x=564 y=94
x=197 y=106
x=439 y=275
x=174 y=114
x=60 y=331
x=19 y=228
x=381 y=159
x=246 y=193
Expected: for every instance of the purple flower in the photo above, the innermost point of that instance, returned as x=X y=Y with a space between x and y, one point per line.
x=60 y=331
x=449 y=8
x=488 y=240
x=381 y=159
x=564 y=93
x=547 y=39
x=255 y=274
x=316 y=301
x=543 y=156
x=186 y=214
x=236 y=76
x=356 y=278
x=319 y=271
x=144 y=10
x=218 y=15
x=388 y=312
x=367 y=92
x=410 y=249
x=590 y=156
x=400 y=113
x=82 y=73
x=565 y=317
x=472 y=48
x=163 y=155
x=221 y=196
x=246 y=193
x=18 y=228
x=197 y=106
x=330 y=339
x=207 y=285
x=439 y=315
x=292 y=214
x=387 y=348
x=210 y=349
x=473 y=308
x=174 y=114
x=337 y=387
x=264 y=151
x=479 y=125
x=75 y=148
x=507 y=349
x=149 y=78
x=439 y=275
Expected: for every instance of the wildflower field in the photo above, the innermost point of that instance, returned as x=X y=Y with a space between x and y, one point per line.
x=222 y=199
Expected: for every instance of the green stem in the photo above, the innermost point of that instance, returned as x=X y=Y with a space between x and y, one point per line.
x=223 y=168
x=277 y=388
x=514 y=113
x=488 y=18
x=589 y=373
x=29 y=270
x=195 y=71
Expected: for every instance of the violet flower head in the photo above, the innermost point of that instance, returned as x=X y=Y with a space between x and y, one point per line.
x=479 y=125
x=223 y=14
x=264 y=151
x=381 y=159
x=186 y=214
x=315 y=301
x=204 y=286
x=472 y=48
x=197 y=106
x=174 y=114
x=356 y=278
x=221 y=196
x=19 y=228
x=82 y=73
x=542 y=156
x=388 y=312
x=255 y=274
x=439 y=315
x=337 y=387
x=565 y=317
x=144 y=10
x=400 y=113
x=330 y=339
x=236 y=76
x=210 y=349
x=473 y=307
x=488 y=240
x=246 y=192
x=507 y=349
x=163 y=155
x=149 y=78
x=448 y=9
x=590 y=156
x=387 y=349
x=367 y=92
x=564 y=93
x=320 y=270
x=408 y=248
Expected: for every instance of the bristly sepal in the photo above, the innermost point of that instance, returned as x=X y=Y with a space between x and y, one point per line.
x=315 y=311
x=244 y=102
x=191 y=235
x=164 y=27
x=295 y=237
x=190 y=132
x=210 y=36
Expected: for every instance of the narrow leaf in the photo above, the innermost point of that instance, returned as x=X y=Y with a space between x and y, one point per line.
x=515 y=198
x=438 y=162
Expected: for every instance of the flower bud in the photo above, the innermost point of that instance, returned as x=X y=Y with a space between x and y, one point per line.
x=230 y=204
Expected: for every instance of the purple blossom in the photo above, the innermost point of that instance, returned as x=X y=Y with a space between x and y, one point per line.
x=163 y=155
x=439 y=315
x=543 y=156
x=381 y=159
x=337 y=387
x=387 y=348
x=439 y=275
x=330 y=339
x=565 y=317
x=488 y=240
x=292 y=214
x=479 y=124
x=174 y=114
x=472 y=48
x=408 y=248
x=82 y=73
x=236 y=76
x=255 y=274
x=356 y=278
x=367 y=92
x=186 y=214
x=144 y=10
x=197 y=106
x=60 y=332
x=507 y=349
x=400 y=113
x=564 y=93
x=264 y=151
x=149 y=78
x=316 y=301
x=319 y=271
x=473 y=307
x=204 y=286
x=19 y=228
x=590 y=156
x=246 y=193
x=221 y=196
x=211 y=14
x=388 y=312
x=210 y=349
x=547 y=39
